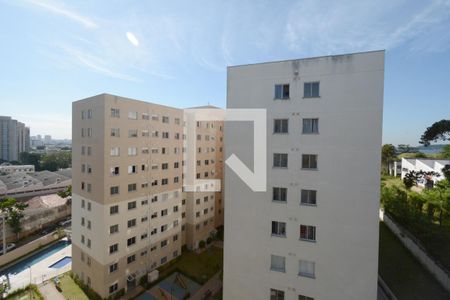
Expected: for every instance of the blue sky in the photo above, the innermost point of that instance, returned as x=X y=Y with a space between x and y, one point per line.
x=176 y=52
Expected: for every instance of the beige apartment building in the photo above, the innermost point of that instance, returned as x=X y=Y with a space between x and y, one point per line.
x=129 y=212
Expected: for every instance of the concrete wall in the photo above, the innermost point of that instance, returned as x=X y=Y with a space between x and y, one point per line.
x=27 y=249
x=408 y=240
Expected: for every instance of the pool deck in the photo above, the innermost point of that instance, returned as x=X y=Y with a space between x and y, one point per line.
x=40 y=271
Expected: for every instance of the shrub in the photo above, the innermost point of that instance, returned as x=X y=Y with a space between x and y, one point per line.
x=90 y=293
x=202 y=244
x=208 y=240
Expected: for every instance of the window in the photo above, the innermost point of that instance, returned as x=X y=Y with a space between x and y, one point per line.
x=164 y=260
x=175 y=238
x=132 y=151
x=114 y=210
x=164 y=212
x=113 y=288
x=155 y=118
x=164 y=181
x=114 y=190
x=155 y=133
x=164 y=166
x=308 y=197
x=115 y=113
x=165 y=119
x=280 y=125
x=276 y=294
x=82 y=221
x=89 y=132
x=310 y=126
x=306 y=268
x=131 y=223
x=175 y=208
x=113 y=248
x=114 y=171
x=281 y=91
x=165 y=135
x=113 y=229
x=277 y=263
x=131 y=241
x=307 y=232
x=115 y=132
x=132 y=133
x=88 y=224
x=311 y=90
x=309 y=161
x=175 y=179
x=115 y=151
x=143 y=236
x=302 y=297
x=163 y=228
x=131 y=205
x=164 y=243
x=279 y=194
x=176 y=165
x=113 y=268
x=279 y=228
x=83 y=150
x=177 y=121
x=133 y=115
x=154 y=231
x=132 y=169
x=280 y=160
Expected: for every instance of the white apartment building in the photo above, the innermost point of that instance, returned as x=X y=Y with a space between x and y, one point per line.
x=314 y=233
x=129 y=212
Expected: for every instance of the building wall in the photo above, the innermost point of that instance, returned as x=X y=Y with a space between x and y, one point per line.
x=158 y=207
x=14 y=138
x=347 y=180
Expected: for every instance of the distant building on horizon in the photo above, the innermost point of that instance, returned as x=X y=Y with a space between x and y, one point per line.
x=14 y=138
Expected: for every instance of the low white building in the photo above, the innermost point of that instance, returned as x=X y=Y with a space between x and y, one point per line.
x=426 y=165
x=9 y=169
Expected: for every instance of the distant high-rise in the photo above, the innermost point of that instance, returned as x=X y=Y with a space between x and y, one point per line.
x=14 y=138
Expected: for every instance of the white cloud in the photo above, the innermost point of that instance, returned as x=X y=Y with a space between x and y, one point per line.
x=132 y=39
x=59 y=10
x=318 y=27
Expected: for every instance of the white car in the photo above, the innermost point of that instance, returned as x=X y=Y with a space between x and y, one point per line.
x=9 y=247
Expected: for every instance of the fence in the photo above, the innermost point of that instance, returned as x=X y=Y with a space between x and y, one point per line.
x=413 y=245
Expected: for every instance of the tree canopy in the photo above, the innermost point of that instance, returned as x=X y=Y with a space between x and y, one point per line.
x=14 y=212
x=438 y=131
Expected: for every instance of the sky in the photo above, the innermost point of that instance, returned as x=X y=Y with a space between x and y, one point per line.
x=176 y=52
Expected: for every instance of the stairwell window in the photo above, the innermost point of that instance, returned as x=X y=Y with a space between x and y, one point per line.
x=276 y=294
x=281 y=92
x=279 y=229
x=308 y=197
x=311 y=89
x=310 y=126
x=280 y=125
x=308 y=233
x=280 y=160
x=277 y=263
x=279 y=194
x=309 y=161
x=307 y=268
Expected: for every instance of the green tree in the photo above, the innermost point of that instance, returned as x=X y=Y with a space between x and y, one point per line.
x=439 y=198
x=438 y=131
x=387 y=154
x=14 y=214
x=446 y=171
x=66 y=193
x=28 y=158
x=57 y=160
x=445 y=152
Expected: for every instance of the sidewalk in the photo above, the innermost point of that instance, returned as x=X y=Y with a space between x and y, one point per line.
x=49 y=291
x=214 y=284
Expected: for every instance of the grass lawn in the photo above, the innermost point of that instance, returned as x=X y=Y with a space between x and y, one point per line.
x=406 y=277
x=390 y=181
x=25 y=295
x=71 y=290
x=199 y=267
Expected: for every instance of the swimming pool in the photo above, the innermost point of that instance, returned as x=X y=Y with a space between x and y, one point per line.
x=62 y=262
x=35 y=258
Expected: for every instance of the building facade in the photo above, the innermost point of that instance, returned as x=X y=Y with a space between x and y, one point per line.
x=424 y=165
x=313 y=234
x=129 y=212
x=14 y=138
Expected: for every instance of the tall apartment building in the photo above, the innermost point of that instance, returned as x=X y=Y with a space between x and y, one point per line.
x=313 y=234
x=129 y=212
x=14 y=138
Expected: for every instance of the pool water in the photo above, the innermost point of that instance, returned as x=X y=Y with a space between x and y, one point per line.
x=35 y=258
x=62 y=262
